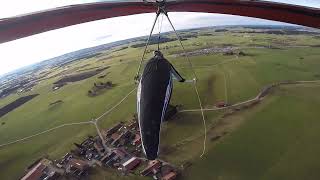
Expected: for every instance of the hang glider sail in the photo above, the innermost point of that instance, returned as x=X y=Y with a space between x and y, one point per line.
x=153 y=97
x=38 y=22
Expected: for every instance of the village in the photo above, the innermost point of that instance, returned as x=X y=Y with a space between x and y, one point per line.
x=120 y=149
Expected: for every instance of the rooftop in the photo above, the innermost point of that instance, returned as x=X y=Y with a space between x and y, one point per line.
x=35 y=173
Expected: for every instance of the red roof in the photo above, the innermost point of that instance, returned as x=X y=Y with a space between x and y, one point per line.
x=221 y=104
x=137 y=140
x=78 y=164
x=119 y=152
x=35 y=173
x=131 y=164
x=169 y=176
x=115 y=136
x=153 y=166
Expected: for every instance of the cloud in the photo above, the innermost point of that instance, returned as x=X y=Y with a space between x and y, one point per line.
x=101 y=38
x=310 y=3
x=39 y=47
x=18 y=53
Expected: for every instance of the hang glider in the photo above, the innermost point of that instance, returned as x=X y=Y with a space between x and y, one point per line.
x=26 y=25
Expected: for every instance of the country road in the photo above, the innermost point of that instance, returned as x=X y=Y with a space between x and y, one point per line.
x=95 y=121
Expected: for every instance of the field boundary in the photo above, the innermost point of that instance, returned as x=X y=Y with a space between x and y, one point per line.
x=93 y=121
x=259 y=97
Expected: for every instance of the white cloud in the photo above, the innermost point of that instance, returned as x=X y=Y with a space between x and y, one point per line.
x=39 y=47
x=310 y=3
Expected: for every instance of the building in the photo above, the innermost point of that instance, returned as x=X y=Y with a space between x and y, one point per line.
x=41 y=170
x=133 y=125
x=152 y=168
x=77 y=167
x=121 y=139
x=137 y=140
x=130 y=164
x=108 y=159
x=170 y=176
x=221 y=104
x=120 y=153
x=88 y=142
x=114 y=129
x=35 y=173
x=112 y=137
x=99 y=147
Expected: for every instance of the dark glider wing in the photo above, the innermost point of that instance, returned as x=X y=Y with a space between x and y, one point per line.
x=153 y=97
x=176 y=75
x=38 y=22
x=288 y=13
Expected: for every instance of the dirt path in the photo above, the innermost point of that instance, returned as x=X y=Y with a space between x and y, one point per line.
x=95 y=121
x=43 y=132
x=258 y=97
x=225 y=85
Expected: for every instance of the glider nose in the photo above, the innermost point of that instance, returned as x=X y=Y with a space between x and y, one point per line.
x=151 y=155
x=150 y=145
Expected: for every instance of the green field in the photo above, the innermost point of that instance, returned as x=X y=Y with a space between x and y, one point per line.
x=277 y=139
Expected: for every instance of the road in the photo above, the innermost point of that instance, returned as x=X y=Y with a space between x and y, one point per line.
x=95 y=121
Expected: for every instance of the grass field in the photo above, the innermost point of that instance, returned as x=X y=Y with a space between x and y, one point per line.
x=276 y=139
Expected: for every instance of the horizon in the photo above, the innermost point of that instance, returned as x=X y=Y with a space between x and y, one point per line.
x=37 y=48
x=35 y=63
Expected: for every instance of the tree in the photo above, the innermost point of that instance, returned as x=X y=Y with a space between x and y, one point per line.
x=109 y=83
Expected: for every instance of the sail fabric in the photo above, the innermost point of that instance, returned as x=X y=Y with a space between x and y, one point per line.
x=38 y=22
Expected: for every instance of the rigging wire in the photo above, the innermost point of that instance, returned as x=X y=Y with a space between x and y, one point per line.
x=137 y=77
x=160 y=29
x=161 y=10
x=194 y=84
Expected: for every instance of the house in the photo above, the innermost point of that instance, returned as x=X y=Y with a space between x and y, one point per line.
x=40 y=171
x=114 y=129
x=108 y=160
x=65 y=159
x=130 y=164
x=115 y=139
x=133 y=125
x=123 y=136
x=152 y=168
x=112 y=159
x=170 y=176
x=78 y=164
x=221 y=104
x=137 y=140
x=77 y=167
x=120 y=153
x=35 y=173
x=98 y=146
x=87 y=142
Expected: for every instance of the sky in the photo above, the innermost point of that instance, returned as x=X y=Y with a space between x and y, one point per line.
x=36 y=48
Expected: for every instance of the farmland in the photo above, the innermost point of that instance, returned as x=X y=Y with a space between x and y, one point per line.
x=275 y=139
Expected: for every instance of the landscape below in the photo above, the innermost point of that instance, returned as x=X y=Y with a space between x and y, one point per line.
x=259 y=85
